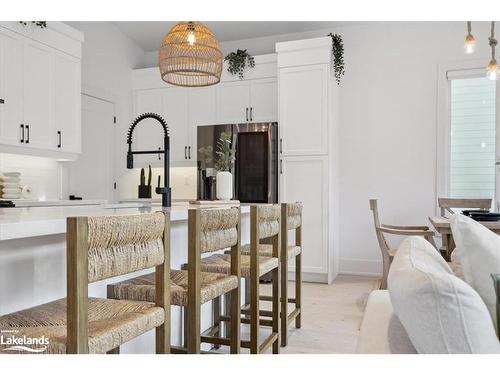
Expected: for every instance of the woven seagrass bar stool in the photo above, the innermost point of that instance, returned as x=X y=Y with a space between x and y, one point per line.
x=99 y=248
x=209 y=230
x=291 y=220
x=264 y=224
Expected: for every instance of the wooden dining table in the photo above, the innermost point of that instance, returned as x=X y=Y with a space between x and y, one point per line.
x=443 y=227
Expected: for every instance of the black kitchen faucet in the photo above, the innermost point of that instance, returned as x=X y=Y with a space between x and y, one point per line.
x=164 y=191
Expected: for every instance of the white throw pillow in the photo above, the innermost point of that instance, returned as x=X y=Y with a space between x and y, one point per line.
x=478 y=250
x=440 y=312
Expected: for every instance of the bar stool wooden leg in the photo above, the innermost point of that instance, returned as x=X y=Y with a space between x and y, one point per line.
x=298 y=289
x=276 y=309
x=254 y=282
x=227 y=312
x=247 y=294
x=284 y=274
x=298 y=278
x=194 y=285
x=284 y=302
x=184 y=326
x=235 y=321
x=216 y=319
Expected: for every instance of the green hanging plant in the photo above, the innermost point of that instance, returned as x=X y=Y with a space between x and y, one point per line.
x=337 y=56
x=40 y=24
x=238 y=61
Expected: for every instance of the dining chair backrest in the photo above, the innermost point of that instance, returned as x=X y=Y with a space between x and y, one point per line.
x=384 y=247
x=446 y=204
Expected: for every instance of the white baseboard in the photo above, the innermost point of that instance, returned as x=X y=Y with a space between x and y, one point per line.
x=362 y=267
x=310 y=277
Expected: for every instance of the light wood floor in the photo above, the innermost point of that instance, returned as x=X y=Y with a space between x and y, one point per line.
x=331 y=316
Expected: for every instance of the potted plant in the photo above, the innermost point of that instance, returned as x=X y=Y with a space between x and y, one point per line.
x=224 y=161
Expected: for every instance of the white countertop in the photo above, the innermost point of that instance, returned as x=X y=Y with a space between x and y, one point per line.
x=58 y=202
x=22 y=222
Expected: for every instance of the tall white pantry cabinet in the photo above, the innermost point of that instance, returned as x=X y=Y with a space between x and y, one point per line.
x=308 y=127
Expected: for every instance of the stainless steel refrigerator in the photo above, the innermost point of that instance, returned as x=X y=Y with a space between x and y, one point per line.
x=255 y=171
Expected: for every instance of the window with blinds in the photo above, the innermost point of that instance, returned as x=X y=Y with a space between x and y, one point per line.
x=472 y=159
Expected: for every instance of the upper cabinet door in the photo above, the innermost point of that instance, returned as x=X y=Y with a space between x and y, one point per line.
x=38 y=95
x=67 y=103
x=233 y=102
x=264 y=100
x=303 y=109
x=175 y=107
x=11 y=87
x=148 y=135
x=202 y=111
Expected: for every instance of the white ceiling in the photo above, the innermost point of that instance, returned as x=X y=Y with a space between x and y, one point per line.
x=148 y=35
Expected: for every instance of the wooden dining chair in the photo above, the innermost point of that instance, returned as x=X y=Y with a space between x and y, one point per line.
x=446 y=206
x=401 y=230
x=99 y=248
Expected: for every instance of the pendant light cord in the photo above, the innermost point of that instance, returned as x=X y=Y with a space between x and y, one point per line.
x=492 y=40
x=469 y=27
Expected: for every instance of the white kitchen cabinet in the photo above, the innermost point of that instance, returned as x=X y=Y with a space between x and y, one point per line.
x=233 y=102
x=306 y=180
x=175 y=109
x=309 y=132
x=263 y=100
x=68 y=112
x=304 y=109
x=11 y=88
x=148 y=135
x=172 y=104
x=40 y=87
x=247 y=101
x=38 y=95
x=202 y=104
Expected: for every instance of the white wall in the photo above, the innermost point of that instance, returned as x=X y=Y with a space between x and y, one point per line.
x=388 y=122
x=43 y=175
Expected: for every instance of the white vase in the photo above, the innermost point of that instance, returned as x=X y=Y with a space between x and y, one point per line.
x=224 y=185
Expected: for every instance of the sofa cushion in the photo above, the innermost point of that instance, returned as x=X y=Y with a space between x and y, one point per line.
x=478 y=250
x=440 y=312
x=381 y=331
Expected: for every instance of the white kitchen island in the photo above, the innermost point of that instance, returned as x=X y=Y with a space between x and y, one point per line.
x=33 y=258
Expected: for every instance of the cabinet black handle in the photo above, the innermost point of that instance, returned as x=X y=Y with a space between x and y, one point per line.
x=185 y=152
x=59 y=139
x=251 y=113
x=22 y=133
x=281 y=166
x=189 y=152
x=2 y=101
x=27 y=134
x=281 y=145
x=246 y=116
x=159 y=153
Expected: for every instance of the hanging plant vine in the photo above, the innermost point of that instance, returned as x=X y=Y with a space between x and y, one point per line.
x=40 y=24
x=337 y=56
x=238 y=61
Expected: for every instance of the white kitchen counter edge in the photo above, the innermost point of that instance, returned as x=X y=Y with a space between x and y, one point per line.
x=16 y=223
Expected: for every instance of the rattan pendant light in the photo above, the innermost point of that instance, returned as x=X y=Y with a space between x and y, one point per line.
x=190 y=56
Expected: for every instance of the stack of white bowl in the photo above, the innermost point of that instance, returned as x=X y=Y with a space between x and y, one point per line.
x=11 y=185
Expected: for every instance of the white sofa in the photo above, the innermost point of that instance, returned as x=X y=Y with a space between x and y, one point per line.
x=427 y=307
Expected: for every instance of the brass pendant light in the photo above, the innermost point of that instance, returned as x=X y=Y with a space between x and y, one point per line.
x=190 y=56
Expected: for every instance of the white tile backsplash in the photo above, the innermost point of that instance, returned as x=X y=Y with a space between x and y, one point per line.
x=42 y=174
x=182 y=181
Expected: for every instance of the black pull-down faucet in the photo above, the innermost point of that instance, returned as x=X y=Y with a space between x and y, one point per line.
x=164 y=191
